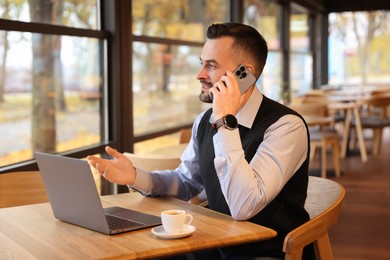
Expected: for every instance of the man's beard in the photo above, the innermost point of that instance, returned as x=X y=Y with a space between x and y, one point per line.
x=205 y=98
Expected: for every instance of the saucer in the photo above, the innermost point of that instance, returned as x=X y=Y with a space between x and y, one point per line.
x=160 y=232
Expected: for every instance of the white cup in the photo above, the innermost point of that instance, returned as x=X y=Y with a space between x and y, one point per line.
x=175 y=221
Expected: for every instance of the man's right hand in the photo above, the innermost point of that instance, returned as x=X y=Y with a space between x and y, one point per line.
x=119 y=170
x=226 y=96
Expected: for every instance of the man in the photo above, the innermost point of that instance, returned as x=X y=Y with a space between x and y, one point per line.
x=256 y=169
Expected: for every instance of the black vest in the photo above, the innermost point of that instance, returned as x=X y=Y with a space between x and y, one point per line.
x=286 y=211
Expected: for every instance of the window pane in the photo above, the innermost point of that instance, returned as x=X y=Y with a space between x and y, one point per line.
x=264 y=15
x=184 y=20
x=165 y=88
x=299 y=32
x=301 y=73
x=359 y=52
x=271 y=82
x=51 y=97
x=72 y=13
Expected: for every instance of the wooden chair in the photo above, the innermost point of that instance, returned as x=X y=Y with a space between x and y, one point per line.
x=152 y=163
x=21 y=188
x=323 y=98
x=185 y=135
x=377 y=117
x=323 y=203
x=381 y=93
x=321 y=137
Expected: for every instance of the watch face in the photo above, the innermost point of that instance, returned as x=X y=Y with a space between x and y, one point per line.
x=231 y=122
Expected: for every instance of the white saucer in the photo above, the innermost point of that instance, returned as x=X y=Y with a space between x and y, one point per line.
x=160 y=232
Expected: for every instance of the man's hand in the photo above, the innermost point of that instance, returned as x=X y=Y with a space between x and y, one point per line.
x=119 y=170
x=226 y=96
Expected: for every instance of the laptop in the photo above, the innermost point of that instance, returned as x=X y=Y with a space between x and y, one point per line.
x=74 y=198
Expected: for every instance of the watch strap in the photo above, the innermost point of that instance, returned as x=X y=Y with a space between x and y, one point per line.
x=217 y=124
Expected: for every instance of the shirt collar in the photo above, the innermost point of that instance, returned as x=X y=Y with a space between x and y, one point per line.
x=248 y=112
x=246 y=115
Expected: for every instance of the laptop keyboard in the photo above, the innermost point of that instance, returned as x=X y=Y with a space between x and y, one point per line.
x=116 y=223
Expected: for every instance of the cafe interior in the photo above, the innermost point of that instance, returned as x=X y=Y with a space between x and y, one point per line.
x=79 y=75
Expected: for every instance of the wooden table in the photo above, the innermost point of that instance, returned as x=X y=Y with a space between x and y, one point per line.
x=31 y=232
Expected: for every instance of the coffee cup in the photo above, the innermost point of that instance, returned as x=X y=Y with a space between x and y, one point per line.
x=175 y=221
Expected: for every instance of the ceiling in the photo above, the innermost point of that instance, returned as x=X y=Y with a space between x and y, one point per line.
x=329 y=6
x=356 y=5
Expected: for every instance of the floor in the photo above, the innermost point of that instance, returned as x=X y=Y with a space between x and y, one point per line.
x=363 y=229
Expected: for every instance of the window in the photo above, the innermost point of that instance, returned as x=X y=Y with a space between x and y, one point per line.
x=358 y=49
x=165 y=90
x=51 y=84
x=301 y=57
x=79 y=13
x=265 y=16
x=168 y=37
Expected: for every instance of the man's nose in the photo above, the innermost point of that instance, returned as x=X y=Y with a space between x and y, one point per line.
x=201 y=74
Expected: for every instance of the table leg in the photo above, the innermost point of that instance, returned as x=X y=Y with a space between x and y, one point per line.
x=323 y=152
x=347 y=124
x=359 y=133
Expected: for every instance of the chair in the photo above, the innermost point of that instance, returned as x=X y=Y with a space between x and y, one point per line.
x=21 y=188
x=152 y=163
x=185 y=135
x=323 y=203
x=321 y=136
x=382 y=92
x=377 y=117
x=323 y=98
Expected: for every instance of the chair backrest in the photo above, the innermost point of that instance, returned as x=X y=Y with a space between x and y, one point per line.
x=323 y=204
x=379 y=102
x=316 y=98
x=381 y=93
x=152 y=163
x=185 y=135
x=21 y=188
x=311 y=109
x=316 y=92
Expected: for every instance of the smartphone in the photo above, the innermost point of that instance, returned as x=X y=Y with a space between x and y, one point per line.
x=244 y=77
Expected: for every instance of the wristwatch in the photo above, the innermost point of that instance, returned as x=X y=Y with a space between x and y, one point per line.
x=228 y=121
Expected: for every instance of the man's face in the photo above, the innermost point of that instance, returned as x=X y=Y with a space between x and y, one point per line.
x=216 y=58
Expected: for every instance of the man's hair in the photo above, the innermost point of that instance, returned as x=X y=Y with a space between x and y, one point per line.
x=248 y=42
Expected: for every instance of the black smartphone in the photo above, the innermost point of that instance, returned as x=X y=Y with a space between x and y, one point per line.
x=244 y=77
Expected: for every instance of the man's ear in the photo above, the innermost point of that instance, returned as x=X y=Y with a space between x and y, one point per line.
x=250 y=67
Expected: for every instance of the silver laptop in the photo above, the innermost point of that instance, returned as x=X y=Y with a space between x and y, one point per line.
x=74 y=198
